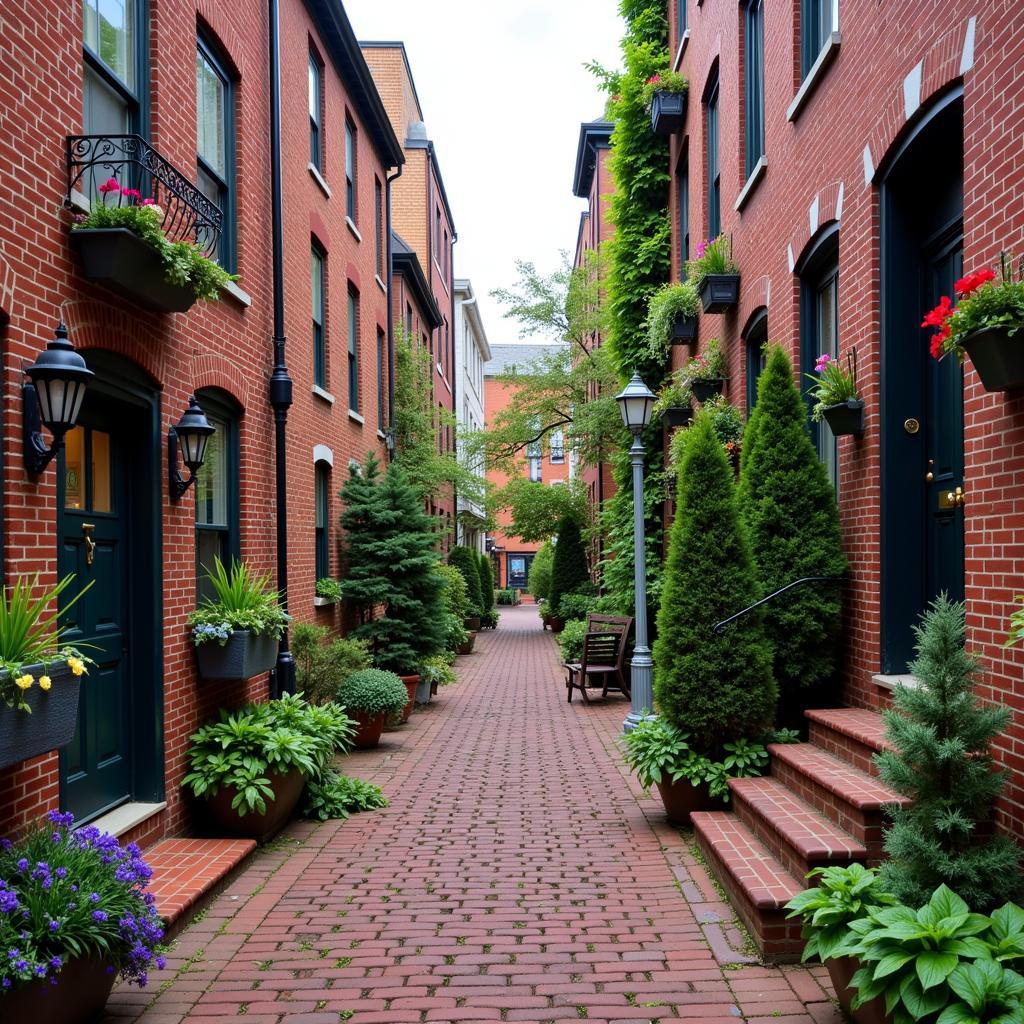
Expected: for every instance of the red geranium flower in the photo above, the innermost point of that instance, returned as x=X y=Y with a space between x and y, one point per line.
x=938 y=316
x=654 y=79
x=938 y=340
x=110 y=185
x=972 y=282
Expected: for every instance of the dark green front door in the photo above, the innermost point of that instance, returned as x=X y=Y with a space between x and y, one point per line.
x=94 y=506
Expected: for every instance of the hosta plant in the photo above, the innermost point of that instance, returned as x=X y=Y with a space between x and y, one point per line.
x=334 y=796
x=437 y=670
x=243 y=600
x=833 y=383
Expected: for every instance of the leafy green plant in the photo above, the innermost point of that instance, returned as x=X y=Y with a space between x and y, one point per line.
x=328 y=588
x=454 y=632
x=665 y=81
x=713 y=256
x=372 y=691
x=335 y=796
x=832 y=383
x=988 y=994
x=243 y=748
x=508 y=597
x=538 y=581
x=675 y=394
x=843 y=894
x=570 y=640
x=242 y=600
x=707 y=365
x=570 y=573
x=454 y=596
x=464 y=559
x=1006 y=938
x=489 y=619
x=438 y=670
x=670 y=303
x=575 y=606
x=486 y=583
x=323 y=664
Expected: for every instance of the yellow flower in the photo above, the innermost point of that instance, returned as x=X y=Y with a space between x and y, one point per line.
x=45 y=682
x=24 y=682
x=77 y=665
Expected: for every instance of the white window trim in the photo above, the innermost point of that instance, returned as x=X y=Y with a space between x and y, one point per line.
x=321 y=453
x=682 y=49
x=352 y=227
x=319 y=178
x=381 y=284
x=817 y=72
x=353 y=415
x=752 y=182
x=324 y=394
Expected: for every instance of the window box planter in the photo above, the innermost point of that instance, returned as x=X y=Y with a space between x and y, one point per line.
x=706 y=388
x=411 y=685
x=369 y=729
x=997 y=356
x=75 y=996
x=719 y=292
x=677 y=416
x=668 y=112
x=121 y=261
x=242 y=657
x=51 y=724
x=324 y=602
x=225 y=821
x=684 y=330
x=845 y=418
x=682 y=798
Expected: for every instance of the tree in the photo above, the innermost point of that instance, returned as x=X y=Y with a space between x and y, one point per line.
x=464 y=559
x=942 y=761
x=789 y=507
x=570 y=573
x=391 y=554
x=538 y=583
x=714 y=688
x=486 y=582
x=537 y=509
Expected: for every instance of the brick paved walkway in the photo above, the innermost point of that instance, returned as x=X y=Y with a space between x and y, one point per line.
x=518 y=875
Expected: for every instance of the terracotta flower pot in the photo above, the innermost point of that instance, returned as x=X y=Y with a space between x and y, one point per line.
x=226 y=821
x=80 y=992
x=411 y=682
x=471 y=623
x=370 y=728
x=557 y=623
x=682 y=798
x=467 y=647
x=841 y=969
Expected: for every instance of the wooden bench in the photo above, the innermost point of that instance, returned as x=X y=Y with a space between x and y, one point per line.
x=604 y=654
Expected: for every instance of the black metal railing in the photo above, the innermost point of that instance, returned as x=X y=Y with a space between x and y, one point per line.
x=719 y=627
x=134 y=163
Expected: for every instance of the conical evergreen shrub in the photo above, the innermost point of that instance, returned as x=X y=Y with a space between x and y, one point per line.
x=464 y=559
x=486 y=582
x=569 y=572
x=942 y=761
x=391 y=554
x=789 y=507
x=715 y=688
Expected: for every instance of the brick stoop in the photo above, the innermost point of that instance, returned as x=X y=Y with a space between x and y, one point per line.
x=852 y=734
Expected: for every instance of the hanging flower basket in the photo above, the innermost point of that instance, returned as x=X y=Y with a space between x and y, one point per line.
x=705 y=388
x=51 y=724
x=243 y=656
x=677 y=416
x=684 y=330
x=845 y=418
x=668 y=112
x=998 y=356
x=719 y=292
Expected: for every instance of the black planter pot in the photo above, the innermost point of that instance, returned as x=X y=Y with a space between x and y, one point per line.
x=242 y=657
x=677 y=416
x=845 y=418
x=77 y=995
x=668 y=112
x=998 y=357
x=121 y=261
x=705 y=388
x=684 y=330
x=719 y=292
x=52 y=722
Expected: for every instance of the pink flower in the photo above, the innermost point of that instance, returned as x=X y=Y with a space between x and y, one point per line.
x=823 y=360
x=110 y=185
x=148 y=201
x=701 y=246
x=132 y=193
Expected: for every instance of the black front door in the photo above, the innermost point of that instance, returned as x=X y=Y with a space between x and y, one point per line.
x=518 y=567
x=94 y=510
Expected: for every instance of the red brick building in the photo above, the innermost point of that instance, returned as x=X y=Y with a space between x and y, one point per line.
x=193 y=82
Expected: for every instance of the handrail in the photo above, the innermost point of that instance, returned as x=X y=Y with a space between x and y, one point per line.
x=719 y=627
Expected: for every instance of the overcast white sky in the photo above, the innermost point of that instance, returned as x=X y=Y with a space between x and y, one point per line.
x=503 y=90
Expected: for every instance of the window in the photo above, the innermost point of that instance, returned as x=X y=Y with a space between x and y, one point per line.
x=557 y=446
x=756 y=338
x=753 y=83
x=115 y=67
x=533 y=453
x=380 y=379
x=437 y=234
x=215 y=146
x=408 y=319
x=217 y=514
x=680 y=17
x=316 y=106
x=322 y=518
x=816 y=27
x=444 y=256
x=317 y=266
x=683 y=190
x=714 y=170
x=350 y=170
x=353 y=350
x=378 y=224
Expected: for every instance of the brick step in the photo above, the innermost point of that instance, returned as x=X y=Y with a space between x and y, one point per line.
x=850 y=798
x=853 y=735
x=792 y=830
x=757 y=884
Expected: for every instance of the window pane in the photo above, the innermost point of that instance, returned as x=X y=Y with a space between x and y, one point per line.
x=314 y=91
x=105 y=112
x=212 y=480
x=754 y=81
x=74 y=468
x=210 y=545
x=110 y=34
x=210 y=104
x=316 y=264
x=101 y=500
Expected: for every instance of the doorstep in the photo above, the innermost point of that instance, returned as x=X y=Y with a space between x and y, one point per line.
x=186 y=870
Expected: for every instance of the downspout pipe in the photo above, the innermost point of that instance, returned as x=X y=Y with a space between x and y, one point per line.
x=391 y=303
x=280 y=394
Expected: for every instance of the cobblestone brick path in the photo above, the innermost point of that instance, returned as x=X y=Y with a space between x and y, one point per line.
x=519 y=874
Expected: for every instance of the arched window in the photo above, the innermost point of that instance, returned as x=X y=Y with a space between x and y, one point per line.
x=755 y=339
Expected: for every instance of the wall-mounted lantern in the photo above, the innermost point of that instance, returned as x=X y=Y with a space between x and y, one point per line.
x=53 y=399
x=191 y=434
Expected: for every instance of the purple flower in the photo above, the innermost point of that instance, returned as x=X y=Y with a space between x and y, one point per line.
x=824 y=360
x=99 y=915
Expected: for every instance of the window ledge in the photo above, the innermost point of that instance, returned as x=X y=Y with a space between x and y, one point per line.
x=319 y=179
x=891 y=682
x=231 y=289
x=126 y=817
x=817 y=72
x=353 y=415
x=323 y=394
x=682 y=49
x=752 y=182
x=324 y=602
x=80 y=202
x=383 y=286
x=380 y=434
x=351 y=224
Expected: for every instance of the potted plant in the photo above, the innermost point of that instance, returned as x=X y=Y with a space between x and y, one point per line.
x=464 y=559
x=38 y=673
x=985 y=324
x=675 y=402
x=122 y=245
x=458 y=639
x=834 y=391
x=74 y=919
x=250 y=766
x=236 y=632
x=368 y=697
x=715 y=274
x=436 y=671
x=708 y=372
x=323 y=662
x=328 y=592
x=665 y=95
x=671 y=318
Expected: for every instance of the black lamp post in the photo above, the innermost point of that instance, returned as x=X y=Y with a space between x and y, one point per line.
x=191 y=434
x=53 y=399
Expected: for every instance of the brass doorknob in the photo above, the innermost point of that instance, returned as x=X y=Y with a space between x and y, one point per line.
x=956 y=498
x=930 y=476
x=90 y=544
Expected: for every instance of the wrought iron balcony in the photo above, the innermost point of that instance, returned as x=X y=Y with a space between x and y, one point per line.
x=133 y=162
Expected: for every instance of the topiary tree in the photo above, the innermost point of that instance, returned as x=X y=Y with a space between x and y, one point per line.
x=715 y=688
x=538 y=582
x=391 y=556
x=486 y=582
x=464 y=559
x=789 y=507
x=942 y=761
x=569 y=570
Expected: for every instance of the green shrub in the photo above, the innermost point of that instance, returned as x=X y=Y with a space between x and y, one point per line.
x=570 y=573
x=486 y=582
x=668 y=304
x=714 y=688
x=507 y=597
x=336 y=796
x=438 y=669
x=489 y=619
x=454 y=632
x=328 y=588
x=372 y=692
x=464 y=559
x=454 y=596
x=575 y=606
x=538 y=582
x=789 y=507
x=570 y=640
x=322 y=665
x=943 y=762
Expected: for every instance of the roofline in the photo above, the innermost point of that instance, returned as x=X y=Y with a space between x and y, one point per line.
x=584 y=217
x=472 y=310
x=408 y=265
x=336 y=31
x=594 y=135
x=395 y=44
